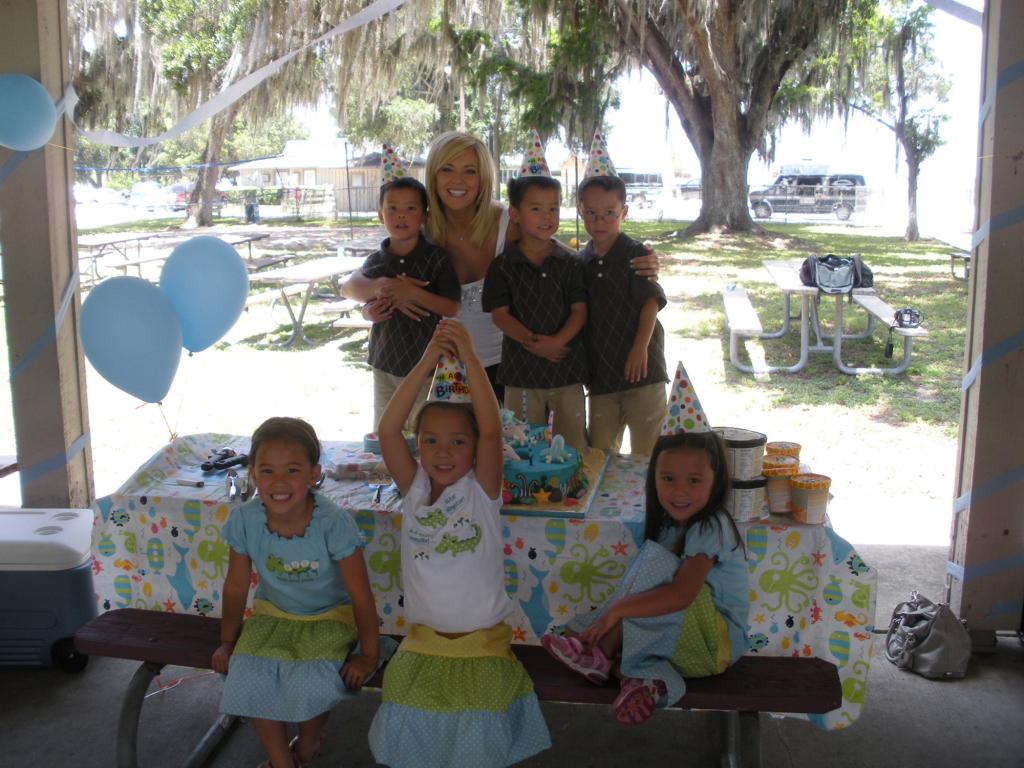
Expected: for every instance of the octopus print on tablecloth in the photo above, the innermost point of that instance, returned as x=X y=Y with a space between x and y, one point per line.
x=595 y=575
x=791 y=583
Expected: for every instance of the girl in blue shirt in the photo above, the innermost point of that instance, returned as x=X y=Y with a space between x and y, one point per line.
x=291 y=661
x=681 y=608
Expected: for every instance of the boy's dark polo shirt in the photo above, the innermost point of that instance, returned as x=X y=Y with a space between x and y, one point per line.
x=397 y=344
x=615 y=296
x=539 y=298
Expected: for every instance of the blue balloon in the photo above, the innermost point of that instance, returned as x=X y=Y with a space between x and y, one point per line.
x=131 y=335
x=207 y=282
x=27 y=113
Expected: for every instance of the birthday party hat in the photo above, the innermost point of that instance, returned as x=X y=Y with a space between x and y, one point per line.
x=391 y=167
x=450 y=382
x=534 y=163
x=684 y=411
x=599 y=163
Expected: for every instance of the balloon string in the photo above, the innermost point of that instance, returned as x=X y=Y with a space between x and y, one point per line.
x=181 y=403
x=171 y=432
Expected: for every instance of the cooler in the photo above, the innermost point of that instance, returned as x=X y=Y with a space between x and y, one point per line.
x=46 y=590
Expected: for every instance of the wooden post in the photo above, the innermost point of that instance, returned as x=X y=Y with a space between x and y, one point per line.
x=38 y=238
x=986 y=567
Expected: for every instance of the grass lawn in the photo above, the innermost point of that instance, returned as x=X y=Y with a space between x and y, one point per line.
x=906 y=274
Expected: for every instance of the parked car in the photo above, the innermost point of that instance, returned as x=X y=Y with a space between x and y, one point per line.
x=839 y=193
x=150 y=195
x=642 y=188
x=689 y=189
x=181 y=193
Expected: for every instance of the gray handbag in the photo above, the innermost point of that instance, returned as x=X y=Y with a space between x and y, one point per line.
x=928 y=638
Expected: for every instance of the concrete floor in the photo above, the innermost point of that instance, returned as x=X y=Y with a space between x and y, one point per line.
x=58 y=720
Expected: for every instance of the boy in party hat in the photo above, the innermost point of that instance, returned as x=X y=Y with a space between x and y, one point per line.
x=406 y=271
x=534 y=292
x=624 y=341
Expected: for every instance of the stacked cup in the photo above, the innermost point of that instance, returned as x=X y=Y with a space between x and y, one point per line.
x=745 y=453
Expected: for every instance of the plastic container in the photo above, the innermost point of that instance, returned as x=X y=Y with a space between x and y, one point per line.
x=778 y=469
x=782 y=448
x=746 y=499
x=46 y=587
x=745 y=450
x=809 y=497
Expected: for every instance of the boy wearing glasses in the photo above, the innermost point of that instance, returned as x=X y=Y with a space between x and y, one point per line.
x=624 y=341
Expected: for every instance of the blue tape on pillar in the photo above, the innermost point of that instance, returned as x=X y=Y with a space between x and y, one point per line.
x=1004 y=607
x=1000 y=221
x=990 y=355
x=50 y=334
x=1011 y=74
x=994 y=486
x=40 y=468
x=963 y=575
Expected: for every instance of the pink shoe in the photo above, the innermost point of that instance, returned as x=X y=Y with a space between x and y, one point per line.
x=591 y=663
x=636 y=700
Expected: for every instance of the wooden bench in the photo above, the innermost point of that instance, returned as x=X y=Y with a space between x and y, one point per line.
x=965 y=261
x=348 y=312
x=262 y=262
x=878 y=309
x=753 y=685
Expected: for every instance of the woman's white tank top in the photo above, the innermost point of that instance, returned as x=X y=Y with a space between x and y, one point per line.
x=485 y=334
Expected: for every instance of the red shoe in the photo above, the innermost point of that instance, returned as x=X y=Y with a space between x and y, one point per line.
x=636 y=701
x=589 y=662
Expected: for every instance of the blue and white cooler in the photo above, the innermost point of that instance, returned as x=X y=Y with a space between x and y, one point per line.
x=46 y=590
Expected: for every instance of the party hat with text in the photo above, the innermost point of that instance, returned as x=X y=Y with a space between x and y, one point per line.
x=450 y=383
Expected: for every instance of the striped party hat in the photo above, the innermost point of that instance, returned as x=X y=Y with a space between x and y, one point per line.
x=684 y=411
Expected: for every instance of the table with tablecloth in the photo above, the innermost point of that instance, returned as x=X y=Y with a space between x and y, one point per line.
x=157 y=545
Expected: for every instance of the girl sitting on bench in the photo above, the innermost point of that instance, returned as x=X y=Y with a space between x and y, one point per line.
x=681 y=607
x=291 y=661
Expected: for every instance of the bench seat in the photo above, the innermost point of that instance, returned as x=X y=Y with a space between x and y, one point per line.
x=274 y=294
x=753 y=685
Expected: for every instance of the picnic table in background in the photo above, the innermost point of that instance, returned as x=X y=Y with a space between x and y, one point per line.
x=92 y=248
x=361 y=247
x=302 y=279
x=158 y=545
x=744 y=322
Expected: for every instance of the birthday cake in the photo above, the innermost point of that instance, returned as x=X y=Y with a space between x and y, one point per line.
x=539 y=467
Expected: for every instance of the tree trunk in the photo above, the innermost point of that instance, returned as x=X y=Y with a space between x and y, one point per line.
x=913 y=168
x=200 y=204
x=724 y=201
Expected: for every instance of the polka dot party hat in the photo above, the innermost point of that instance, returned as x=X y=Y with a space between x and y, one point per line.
x=391 y=167
x=450 y=382
x=684 y=411
x=534 y=163
x=599 y=163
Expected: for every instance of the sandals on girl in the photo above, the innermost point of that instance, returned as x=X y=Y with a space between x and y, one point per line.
x=636 y=700
x=589 y=662
x=293 y=747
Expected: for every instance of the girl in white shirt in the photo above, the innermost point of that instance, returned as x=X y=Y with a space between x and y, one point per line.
x=454 y=694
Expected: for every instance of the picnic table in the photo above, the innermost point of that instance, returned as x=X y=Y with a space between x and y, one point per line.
x=361 y=247
x=744 y=322
x=158 y=545
x=156 y=258
x=302 y=279
x=91 y=248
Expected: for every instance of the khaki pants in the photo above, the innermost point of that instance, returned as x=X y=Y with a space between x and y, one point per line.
x=384 y=386
x=641 y=409
x=568 y=404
